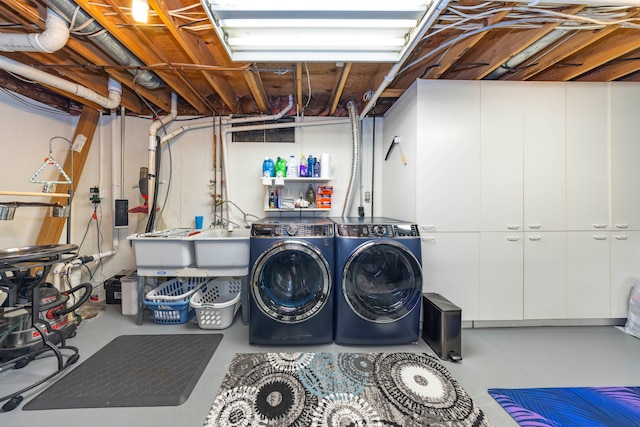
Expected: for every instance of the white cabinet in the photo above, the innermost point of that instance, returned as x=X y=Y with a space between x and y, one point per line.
x=501 y=266
x=587 y=156
x=545 y=288
x=448 y=155
x=451 y=268
x=625 y=157
x=588 y=275
x=625 y=269
x=501 y=156
x=544 y=157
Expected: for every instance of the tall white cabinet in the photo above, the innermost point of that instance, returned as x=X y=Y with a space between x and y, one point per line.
x=525 y=194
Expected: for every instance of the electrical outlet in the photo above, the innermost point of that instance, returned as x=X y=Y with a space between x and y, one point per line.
x=367 y=196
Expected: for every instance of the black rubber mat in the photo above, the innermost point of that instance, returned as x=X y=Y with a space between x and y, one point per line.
x=133 y=370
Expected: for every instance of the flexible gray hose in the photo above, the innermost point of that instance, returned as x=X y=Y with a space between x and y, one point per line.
x=355 y=136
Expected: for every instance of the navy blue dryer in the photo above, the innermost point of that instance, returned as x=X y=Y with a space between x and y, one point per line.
x=291 y=281
x=378 y=281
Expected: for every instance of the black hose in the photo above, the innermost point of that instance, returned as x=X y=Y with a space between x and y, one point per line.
x=85 y=297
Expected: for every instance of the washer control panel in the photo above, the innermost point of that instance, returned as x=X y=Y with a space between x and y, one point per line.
x=292 y=230
x=378 y=230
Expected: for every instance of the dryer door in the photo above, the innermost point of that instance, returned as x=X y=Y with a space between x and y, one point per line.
x=291 y=281
x=382 y=281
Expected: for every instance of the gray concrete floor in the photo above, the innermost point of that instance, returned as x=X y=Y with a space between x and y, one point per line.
x=492 y=357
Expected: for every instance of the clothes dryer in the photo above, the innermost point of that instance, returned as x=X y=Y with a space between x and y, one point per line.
x=378 y=281
x=291 y=281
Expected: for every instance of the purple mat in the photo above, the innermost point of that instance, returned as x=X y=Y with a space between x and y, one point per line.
x=571 y=406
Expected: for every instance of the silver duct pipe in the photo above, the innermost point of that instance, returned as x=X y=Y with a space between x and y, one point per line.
x=355 y=135
x=106 y=41
x=527 y=53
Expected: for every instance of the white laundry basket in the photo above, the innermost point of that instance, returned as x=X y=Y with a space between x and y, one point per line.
x=217 y=302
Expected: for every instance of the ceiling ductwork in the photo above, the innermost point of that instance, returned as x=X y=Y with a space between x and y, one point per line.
x=70 y=11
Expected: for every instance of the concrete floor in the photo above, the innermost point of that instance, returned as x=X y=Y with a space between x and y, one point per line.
x=492 y=357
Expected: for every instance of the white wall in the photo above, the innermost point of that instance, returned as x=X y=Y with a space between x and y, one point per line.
x=186 y=171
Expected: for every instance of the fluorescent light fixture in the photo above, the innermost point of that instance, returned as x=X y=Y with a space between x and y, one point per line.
x=140 y=10
x=327 y=31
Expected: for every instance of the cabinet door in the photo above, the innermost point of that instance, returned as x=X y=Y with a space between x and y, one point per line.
x=587 y=156
x=588 y=275
x=625 y=270
x=501 y=156
x=544 y=156
x=501 y=263
x=545 y=290
x=448 y=156
x=450 y=268
x=625 y=156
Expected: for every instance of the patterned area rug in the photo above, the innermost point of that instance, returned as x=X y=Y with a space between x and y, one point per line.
x=341 y=390
x=570 y=407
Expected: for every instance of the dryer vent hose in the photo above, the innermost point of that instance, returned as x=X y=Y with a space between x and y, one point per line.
x=355 y=161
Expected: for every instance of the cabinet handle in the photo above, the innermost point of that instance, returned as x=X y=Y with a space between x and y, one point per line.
x=535 y=238
x=535 y=226
x=599 y=226
x=622 y=225
x=513 y=227
x=600 y=237
x=429 y=239
x=513 y=239
x=622 y=237
x=427 y=227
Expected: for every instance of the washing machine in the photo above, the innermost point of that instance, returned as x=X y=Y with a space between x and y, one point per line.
x=378 y=281
x=291 y=296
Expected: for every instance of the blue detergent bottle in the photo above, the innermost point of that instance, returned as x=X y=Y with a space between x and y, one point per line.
x=268 y=169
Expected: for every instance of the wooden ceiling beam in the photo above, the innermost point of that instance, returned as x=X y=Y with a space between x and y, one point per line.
x=500 y=47
x=254 y=81
x=338 y=89
x=146 y=51
x=614 y=70
x=457 y=50
x=198 y=51
x=593 y=56
x=569 y=45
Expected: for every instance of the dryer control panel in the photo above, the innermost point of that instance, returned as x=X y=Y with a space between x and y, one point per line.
x=378 y=230
x=291 y=230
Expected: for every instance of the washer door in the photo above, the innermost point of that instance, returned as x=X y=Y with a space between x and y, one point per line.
x=382 y=281
x=291 y=281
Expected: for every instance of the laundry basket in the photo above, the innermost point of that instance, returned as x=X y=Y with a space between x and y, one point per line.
x=216 y=303
x=170 y=301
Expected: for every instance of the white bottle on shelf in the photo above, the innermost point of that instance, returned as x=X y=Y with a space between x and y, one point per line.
x=292 y=167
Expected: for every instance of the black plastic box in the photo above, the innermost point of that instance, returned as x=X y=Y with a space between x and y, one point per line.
x=113 y=288
x=113 y=291
x=442 y=326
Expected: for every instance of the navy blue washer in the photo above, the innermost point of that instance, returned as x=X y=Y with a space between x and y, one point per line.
x=291 y=296
x=378 y=281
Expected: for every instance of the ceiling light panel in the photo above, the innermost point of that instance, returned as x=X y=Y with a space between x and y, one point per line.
x=367 y=31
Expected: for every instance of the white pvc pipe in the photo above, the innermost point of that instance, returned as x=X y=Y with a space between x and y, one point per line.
x=277 y=116
x=52 y=39
x=115 y=89
x=286 y=125
x=153 y=132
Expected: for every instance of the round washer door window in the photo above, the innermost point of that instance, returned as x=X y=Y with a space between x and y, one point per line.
x=382 y=281
x=291 y=281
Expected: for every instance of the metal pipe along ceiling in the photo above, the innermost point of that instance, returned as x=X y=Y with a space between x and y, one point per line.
x=106 y=41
